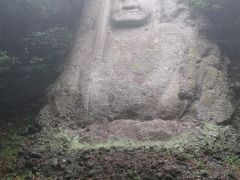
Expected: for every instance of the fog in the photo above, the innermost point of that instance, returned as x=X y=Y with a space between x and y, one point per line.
x=119 y=89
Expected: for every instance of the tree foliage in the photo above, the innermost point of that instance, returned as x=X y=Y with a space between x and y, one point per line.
x=35 y=38
x=225 y=18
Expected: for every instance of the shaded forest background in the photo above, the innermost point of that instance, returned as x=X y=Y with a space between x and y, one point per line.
x=36 y=37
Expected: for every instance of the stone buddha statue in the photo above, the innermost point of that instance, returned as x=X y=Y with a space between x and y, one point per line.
x=140 y=69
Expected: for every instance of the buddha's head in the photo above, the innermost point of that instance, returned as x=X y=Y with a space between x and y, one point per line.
x=130 y=13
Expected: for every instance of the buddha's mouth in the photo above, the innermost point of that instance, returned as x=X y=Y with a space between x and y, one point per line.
x=131 y=9
x=133 y=13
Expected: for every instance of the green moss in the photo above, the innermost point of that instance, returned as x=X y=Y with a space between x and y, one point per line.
x=10 y=146
x=132 y=174
x=209 y=137
x=193 y=54
x=212 y=77
x=57 y=140
x=233 y=161
x=211 y=60
x=8 y=151
x=201 y=165
x=74 y=143
x=28 y=175
x=126 y=143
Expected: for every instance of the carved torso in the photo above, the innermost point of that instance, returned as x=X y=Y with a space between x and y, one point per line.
x=139 y=75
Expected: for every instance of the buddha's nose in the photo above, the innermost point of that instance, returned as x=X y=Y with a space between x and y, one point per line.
x=129 y=5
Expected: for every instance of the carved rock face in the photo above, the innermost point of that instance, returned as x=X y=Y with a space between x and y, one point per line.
x=143 y=80
x=130 y=13
x=139 y=78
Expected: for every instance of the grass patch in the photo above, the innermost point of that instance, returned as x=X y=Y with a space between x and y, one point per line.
x=9 y=145
x=233 y=161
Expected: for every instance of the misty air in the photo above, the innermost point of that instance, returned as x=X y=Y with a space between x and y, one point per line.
x=119 y=89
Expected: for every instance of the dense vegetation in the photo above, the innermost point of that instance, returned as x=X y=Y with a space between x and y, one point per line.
x=225 y=18
x=35 y=38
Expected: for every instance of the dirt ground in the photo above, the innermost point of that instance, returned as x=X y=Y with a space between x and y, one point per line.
x=19 y=162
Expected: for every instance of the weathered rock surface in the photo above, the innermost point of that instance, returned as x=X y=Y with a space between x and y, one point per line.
x=145 y=69
x=132 y=129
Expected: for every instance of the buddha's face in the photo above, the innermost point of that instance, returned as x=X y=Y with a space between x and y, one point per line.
x=130 y=13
